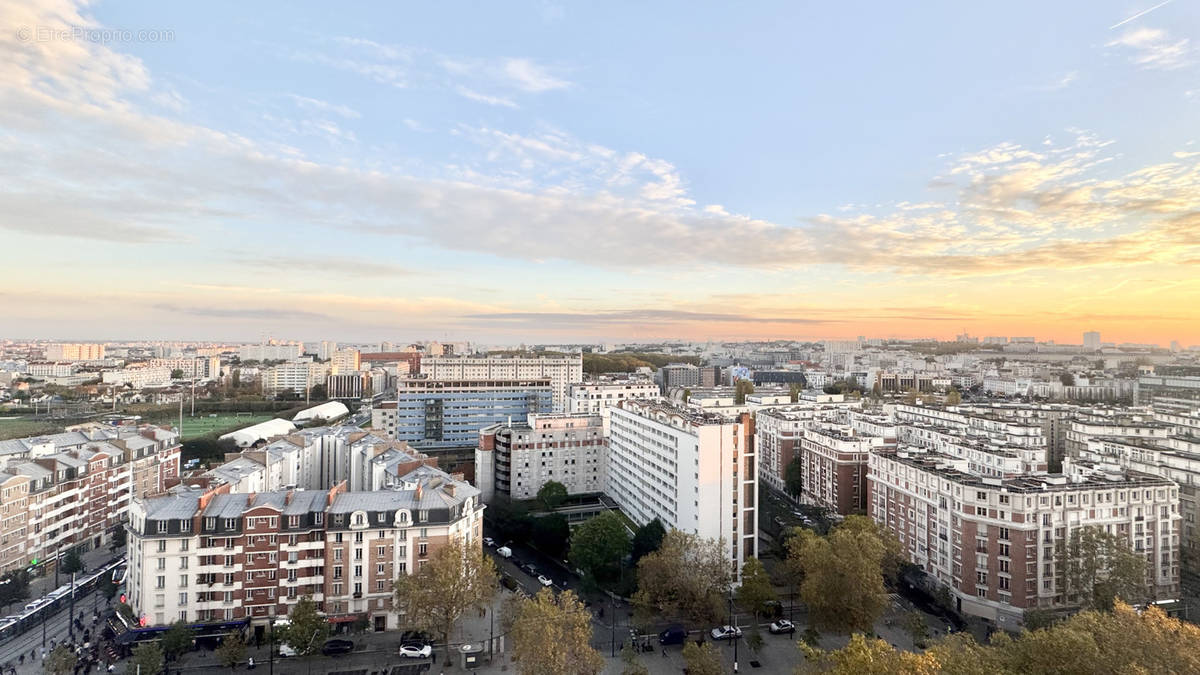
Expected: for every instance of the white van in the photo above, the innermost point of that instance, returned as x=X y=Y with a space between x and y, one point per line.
x=284 y=648
x=504 y=552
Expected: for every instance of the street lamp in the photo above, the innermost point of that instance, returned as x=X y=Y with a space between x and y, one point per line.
x=733 y=625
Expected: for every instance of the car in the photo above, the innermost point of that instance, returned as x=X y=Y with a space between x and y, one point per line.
x=544 y=581
x=504 y=552
x=335 y=647
x=489 y=542
x=675 y=635
x=416 y=650
x=782 y=626
x=530 y=569
x=286 y=650
x=726 y=633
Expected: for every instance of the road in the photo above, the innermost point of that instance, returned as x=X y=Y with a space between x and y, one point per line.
x=57 y=631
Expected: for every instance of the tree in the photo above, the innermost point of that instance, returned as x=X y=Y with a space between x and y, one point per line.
x=147 y=660
x=794 y=390
x=307 y=630
x=551 y=534
x=631 y=664
x=177 y=639
x=687 y=576
x=953 y=397
x=741 y=389
x=14 y=587
x=235 y=378
x=118 y=537
x=893 y=550
x=842 y=578
x=177 y=374
x=552 y=494
x=1067 y=379
x=687 y=394
x=912 y=396
x=71 y=562
x=455 y=579
x=318 y=392
x=918 y=630
x=756 y=589
x=793 y=477
x=61 y=661
x=866 y=657
x=231 y=651
x=1098 y=567
x=599 y=545
x=647 y=539
x=552 y=636
x=702 y=659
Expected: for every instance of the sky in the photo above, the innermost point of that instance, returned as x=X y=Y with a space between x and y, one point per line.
x=570 y=172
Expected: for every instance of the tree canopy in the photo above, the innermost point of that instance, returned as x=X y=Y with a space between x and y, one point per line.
x=841 y=576
x=61 y=661
x=456 y=578
x=741 y=389
x=688 y=576
x=177 y=639
x=627 y=362
x=552 y=494
x=756 y=589
x=1099 y=567
x=147 y=658
x=552 y=636
x=702 y=659
x=647 y=539
x=307 y=630
x=793 y=477
x=599 y=545
x=231 y=651
x=551 y=534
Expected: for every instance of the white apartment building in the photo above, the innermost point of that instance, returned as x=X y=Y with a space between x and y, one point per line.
x=294 y=376
x=199 y=366
x=285 y=351
x=516 y=460
x=694 y=472
x=595 y=398
x=138 y=378
x=43 y=369
x=562 y=371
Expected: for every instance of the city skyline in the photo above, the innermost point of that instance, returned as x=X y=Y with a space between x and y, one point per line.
x=561 y=173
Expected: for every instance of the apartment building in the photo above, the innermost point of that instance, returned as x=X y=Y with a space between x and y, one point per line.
x=677 y=375
x=516 y=460
x=345 y=360
x=695 y=472
x=74 y=352
x=297 y=377
x=595 y=398
x=271 y=351
x=213 y=556
x=432 y=413
x=197 y=367
x=44 y=369
x=992 y=541
x=138 y=377
x=833 y=467
x=73 y=489
x=1112 y=424
x=562 y=371
x=777 y=434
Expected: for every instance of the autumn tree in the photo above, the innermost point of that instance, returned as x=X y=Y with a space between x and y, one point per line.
x=631 y=664
x=456 y=578
x=687 y=576
x=1097 y=567
x=793 y=477
x=953 y=397
x=794 y=390
x=14 y=587
x=232 y=650
x=147 y=659
x=741 y=389
x=893 y=551
x=599 y=545
x=552 y=494
x=552 y=636
x=842 y=577
x=702 y=659
x=306 y=631
x=756 y=589
x=864 y=656
x=61 y=661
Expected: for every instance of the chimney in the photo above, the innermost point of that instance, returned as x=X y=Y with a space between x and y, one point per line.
x=250 y=499
x=288 y=498
x=420 y=491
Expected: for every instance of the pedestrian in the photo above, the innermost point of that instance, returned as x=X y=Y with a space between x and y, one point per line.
x=664 y=652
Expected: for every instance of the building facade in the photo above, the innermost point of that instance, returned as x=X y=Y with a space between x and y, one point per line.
x=432 y=413
x=516 y=460
x=562 y=371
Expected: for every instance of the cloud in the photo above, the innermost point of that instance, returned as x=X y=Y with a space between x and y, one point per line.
x=629 y=316
x=242 y=314
x=328 y=265
x=1152 y=48
x=531 y=77
x=1062 y=82
x=307 y=103
x=473 y=95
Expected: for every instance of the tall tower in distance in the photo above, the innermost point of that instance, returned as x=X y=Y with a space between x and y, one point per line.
x=1091 y=341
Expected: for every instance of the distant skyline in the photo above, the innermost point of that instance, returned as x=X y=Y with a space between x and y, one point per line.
x=568 y=172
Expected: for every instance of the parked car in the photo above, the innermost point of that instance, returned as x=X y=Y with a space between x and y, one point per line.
x=675 y=635
x=416 y=650
x=335 y=647
x=489 y=542
x=530 y=569
x=726 y=633
x=782 y=626
x=504 y=552
x=509 y=582
x=543 y=580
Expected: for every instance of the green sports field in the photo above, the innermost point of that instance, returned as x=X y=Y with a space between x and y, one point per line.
x=203 y=425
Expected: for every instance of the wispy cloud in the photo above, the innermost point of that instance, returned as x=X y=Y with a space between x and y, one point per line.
x=531 y=77
x=1139 y=15
x=325 y=106
x=468 y=93
x=1153 y=48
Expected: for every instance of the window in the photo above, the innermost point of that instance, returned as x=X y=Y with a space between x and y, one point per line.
x=422 y=549
x=160 y=582
x=184 y=544
x=357 y=571
x=183 y=580
x=162 y=563
x=183 y=598
x=162 y=527
x=183 y=563
x=162 y=545
x=185 y=526
x=231 y=523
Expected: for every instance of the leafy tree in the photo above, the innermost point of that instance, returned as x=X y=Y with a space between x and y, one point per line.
x=71 y=562
x=912 y=396
x=177 y=374
x=61 y=661
x=147 y=660
x=318 y=392
x=794 y=390
x=552 y=494
x=647 y=539
x=631 y=664
x=456 y=578
x=177 y=639
x=1067 y=379
x=756 y=589
x=599 y=545
x=811 y=637
x=307 y=630
x=741 y=389
x=953 y=397
x=876 y=391
x=914 y=623
x=511 y=520
x=687 y=576
x=793 y=477
x=687 y=394
x=14 y=587
x=118 y=538
x=893 y=550
x=552 y=636
x=231 y=651
x=842 y=578
x=702 y=659
x=1098 y=567
x=866 y=657
x=551 y=534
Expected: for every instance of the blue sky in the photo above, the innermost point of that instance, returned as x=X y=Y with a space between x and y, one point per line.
x=550 y=171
